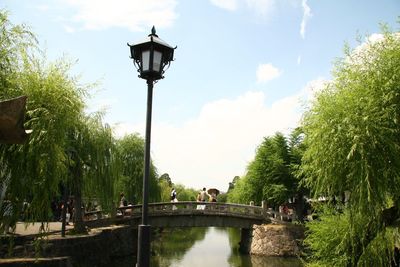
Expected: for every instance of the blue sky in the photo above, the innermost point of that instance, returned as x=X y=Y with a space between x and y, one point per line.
x=243 y=69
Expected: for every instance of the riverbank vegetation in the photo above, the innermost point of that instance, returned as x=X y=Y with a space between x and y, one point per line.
x=346 y=153
x=69 y=152
x=272 y=175
x=352 y=135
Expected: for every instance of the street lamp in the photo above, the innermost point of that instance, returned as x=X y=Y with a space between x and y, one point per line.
x=150 y=57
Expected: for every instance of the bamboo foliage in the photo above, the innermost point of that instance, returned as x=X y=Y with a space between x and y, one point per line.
x=352 y=130
x=352 y=134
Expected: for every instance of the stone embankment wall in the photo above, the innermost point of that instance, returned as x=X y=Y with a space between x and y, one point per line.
x=37 y=262
x=277 y=240
x=96 y=249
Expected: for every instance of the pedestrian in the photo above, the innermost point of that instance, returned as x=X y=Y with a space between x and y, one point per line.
x=122 y=200
x=173 y=198
x=70 y=211
x=173 y=195
x=204 y=195
x=122 y=203
x=198 y=199
x=9 y=220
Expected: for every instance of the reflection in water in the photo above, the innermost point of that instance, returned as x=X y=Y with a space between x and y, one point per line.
x=208 y=247
x=172 y=245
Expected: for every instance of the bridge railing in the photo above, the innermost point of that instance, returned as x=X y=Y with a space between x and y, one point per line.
x=197 y=208
x=192 y=207
x=278 y=216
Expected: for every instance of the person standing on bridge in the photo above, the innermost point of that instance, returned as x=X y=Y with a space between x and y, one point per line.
x=204 y=196
x=173 y=198
x=173 y=195
x=122 y=203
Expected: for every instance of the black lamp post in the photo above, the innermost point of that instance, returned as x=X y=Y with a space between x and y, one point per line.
x=150 y=57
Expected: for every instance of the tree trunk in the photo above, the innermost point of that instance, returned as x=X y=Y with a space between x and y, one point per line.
x=299 y=206
x=79 y=227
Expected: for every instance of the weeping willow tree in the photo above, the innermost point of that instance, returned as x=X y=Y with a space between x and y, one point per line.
x=33 y=171
x=66 y=147
x=16 y=41
x=102 y=168
x=40 y=165
x=352 y=135
x=130 y=151
x=92 y=165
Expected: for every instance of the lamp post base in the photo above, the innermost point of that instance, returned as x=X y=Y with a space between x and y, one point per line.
x=143 y=257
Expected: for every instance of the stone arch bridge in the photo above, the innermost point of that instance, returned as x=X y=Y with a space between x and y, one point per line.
x=199 y=214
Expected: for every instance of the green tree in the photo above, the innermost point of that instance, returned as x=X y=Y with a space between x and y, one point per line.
x=166 y=177
x=242 y=193
x=297 y=148
x=66 y=147
x=233 y=183
x=54 y=106
x=102 y=167
x=165 y=190
x=273 y=175
x=268 y=176
x=352 y=133
x=222 y=198
x=92 y=164
x=16 y=42
x=185 y=194
x=130 y=151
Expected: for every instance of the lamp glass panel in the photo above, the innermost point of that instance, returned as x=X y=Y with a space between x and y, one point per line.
x=157 y=61
x=146 y=60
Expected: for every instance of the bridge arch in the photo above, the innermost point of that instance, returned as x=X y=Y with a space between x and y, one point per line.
x=198 y=214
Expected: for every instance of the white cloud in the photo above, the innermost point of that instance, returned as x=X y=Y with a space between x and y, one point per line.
x=375 y=37
x=299 y=60
x=43 y=8
x=212 y=148
x=100 y=104
x=306 y=16
x=362 y=52
x=369 y=40
x=226 y=4
x=261 y=7
x=69 y=29
x=312 y=88
x=122 y=129
x=135 y=15
x=267 y=72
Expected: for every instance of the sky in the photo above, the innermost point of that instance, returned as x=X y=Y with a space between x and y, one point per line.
x=243 y=69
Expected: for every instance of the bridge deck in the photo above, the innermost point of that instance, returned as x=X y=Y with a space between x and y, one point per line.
x=199 y=214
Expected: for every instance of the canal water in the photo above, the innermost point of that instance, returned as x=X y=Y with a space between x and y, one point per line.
x=192 y=247
x=199 y=247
